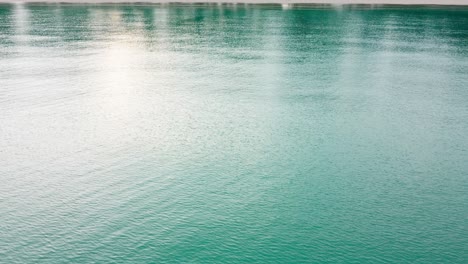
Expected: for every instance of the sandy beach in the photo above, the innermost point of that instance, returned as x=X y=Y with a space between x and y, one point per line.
x=334 y=2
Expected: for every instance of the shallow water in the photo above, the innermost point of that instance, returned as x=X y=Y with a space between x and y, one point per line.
x=225 y=134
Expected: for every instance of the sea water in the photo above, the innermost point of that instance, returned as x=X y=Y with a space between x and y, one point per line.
x=233 y=134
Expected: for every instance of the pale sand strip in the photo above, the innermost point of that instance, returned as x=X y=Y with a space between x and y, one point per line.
x=333 y=2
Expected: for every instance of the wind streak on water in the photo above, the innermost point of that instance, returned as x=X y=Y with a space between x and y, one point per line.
x=206 y=133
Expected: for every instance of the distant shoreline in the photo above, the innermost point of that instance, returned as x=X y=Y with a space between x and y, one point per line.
x=332 y=2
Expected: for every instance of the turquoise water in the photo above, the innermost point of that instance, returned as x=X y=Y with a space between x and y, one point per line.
x=233 y=134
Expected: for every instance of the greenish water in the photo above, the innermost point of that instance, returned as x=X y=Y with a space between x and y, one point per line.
x=223 y=134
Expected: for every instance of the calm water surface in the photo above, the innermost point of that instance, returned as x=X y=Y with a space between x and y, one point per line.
x=223 y=134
